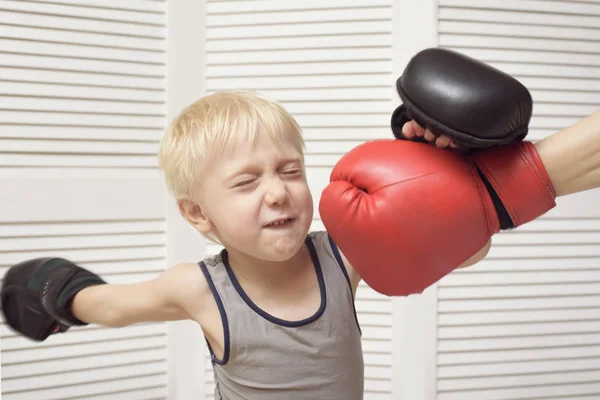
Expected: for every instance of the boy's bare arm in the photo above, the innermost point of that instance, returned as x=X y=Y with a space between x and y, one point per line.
x=165 y=298
x=572 y=156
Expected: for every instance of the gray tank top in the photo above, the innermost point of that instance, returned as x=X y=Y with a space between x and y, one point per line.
x=269 y=358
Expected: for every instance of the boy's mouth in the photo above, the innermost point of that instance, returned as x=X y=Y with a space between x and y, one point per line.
x=279 y=222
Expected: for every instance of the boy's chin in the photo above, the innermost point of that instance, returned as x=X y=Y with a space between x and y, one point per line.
x=283 y=249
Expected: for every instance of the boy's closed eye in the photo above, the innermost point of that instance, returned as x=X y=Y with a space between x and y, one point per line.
x=244 y=182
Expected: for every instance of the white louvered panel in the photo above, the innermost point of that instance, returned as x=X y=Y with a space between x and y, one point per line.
x=330 y=64
x=524 y=319
x=523 y=323
x=92 y=73
x=113 y=227
x=550 y=46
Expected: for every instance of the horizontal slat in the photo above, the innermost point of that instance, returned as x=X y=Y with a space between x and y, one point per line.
x=564 y=237
x=228 y=7
x=42 y=118
x=81 y=25
x=83 y=242
x=544 y=83
x=484 y=371
x=570 y=250
x=308 y=42
x=127 y=268
x=339 y=107
x=534 y=303
x=567 y=110
x=80 y=106
x=85 y=133
x=377 y=389
x=563 y=7
x=377 y=372
x=377 y=333
x=156 y=6
x=379 y=359
x=514 y=317
x=509 y=29
x=490 y=356
x=90 y=255
x=563 y=392
x=93 y=89
x=518 y=43
x=376 y=346
x=364 y=292
x=483 y=15
x=142 y=393
x=466 y=346
x=375 y=319
x=298 y=69
x=12 y=172
x=548 y=223
x=521 y=278
x=101 y=40
x=77 y=161
x=519 y=329
x=299 y=56
x=300 y=30
x=76 y=11
x=565 y=97
x=99 y=73
x=17 y=349
x=71 y=54
x=272 y=17
x=538 y=57
x=525 y=291
x=380 y=306
x=573 y=264
x=368 y=121
x=36 y=229
x=105 y=388
x=78 y=147
x=330 y=147
x=562 y=378
x=540 y=70
x=325 y=95
x=45 y=382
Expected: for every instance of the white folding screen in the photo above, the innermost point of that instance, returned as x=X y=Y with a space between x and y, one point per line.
x=525 y=322
x=330 y=64
x=82 y=106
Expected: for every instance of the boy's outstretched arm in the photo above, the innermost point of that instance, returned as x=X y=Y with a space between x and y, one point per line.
x=44 y=296
x=156 y=300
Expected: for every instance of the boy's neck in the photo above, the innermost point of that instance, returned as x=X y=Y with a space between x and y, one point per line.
x=269 y=274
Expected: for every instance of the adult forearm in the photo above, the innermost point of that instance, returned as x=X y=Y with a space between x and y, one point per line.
x=572 y=156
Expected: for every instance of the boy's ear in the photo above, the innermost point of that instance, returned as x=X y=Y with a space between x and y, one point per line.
x=195 y=215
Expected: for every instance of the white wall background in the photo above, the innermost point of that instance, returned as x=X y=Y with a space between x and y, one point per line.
x=87 y=87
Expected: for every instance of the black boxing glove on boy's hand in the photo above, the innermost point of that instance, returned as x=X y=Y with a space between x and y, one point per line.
x=37 y=295
x=474 y=104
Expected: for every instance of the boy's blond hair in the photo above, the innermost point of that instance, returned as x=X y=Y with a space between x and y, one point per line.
x=206 y=128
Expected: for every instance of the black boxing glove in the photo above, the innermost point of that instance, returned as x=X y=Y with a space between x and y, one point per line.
x=37 y=295
x=474 y=104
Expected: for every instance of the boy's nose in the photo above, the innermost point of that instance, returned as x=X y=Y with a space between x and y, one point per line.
x=276 y=192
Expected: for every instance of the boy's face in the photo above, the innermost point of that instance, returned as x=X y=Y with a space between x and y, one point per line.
x=258 y=200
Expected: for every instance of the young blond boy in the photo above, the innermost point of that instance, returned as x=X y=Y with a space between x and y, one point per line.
x=277 y=304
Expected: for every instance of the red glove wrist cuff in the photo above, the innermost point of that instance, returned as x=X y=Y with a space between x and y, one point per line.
x=517 y=174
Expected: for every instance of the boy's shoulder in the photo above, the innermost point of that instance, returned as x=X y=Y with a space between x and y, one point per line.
x=189 y=286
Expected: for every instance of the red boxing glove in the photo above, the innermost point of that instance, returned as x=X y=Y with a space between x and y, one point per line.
x=406 y=214
x=518 y=182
